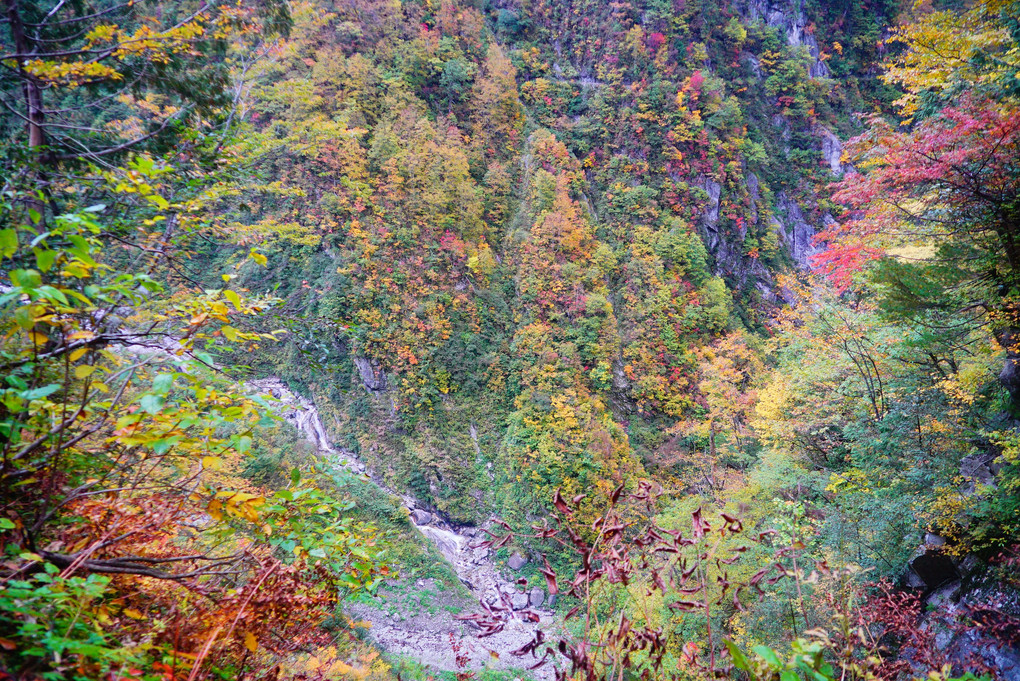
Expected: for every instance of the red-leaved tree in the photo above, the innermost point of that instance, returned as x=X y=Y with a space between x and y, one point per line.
x=950 y=188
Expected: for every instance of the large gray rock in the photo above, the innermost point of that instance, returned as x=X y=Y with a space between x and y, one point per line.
x=372 y=375
x=944 y=595
x=978 y=468
x=1009 y=338
x=420 y=517
x=794 y=229
x=710 y=218
x=519 y=601
x=832 y=150
x=536 y=597
x=620 y=381
x=517 y=561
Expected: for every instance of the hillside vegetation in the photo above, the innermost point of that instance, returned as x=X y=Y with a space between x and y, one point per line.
x=702 y=317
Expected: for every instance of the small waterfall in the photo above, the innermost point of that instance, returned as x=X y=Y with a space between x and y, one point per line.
x=472 y=564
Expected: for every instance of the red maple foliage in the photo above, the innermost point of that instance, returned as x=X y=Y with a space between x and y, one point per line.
x=952 y=177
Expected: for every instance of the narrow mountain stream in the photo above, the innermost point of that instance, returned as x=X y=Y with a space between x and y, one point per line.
x=428 y=634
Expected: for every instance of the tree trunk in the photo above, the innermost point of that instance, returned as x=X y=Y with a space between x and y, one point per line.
x=32 y=93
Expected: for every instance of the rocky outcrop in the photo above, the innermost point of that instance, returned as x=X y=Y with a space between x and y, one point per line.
x=931 y=569
x=372 y=375
x=420 y=517
x=969 y=616
x=786 y=15
x=832 y=150
x=977 y=469
x=818 y=68
x=789 y=17
x=974 y=620
x=1009 y=338
x=724 y=247
x=794 y=230
x=710 y=218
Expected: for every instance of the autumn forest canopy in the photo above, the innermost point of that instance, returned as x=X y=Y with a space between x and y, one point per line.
x=510 y=339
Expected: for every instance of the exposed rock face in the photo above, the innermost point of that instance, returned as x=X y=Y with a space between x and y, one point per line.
x=832 y=150
x=818 y=68
x=971 y=644
x=536 y=597
x=755 y=65
x=788 y=16
x=372 y=375
x=620 y=381
x=794 y=230
x=789 y=222
x=978 y=468
x=724 y=247
x=710 y=218
x=996 y=611
x=302 y=414
x=1009 y=338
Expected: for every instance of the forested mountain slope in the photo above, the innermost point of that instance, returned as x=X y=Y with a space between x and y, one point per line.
x=532 y=231
x=713 y=305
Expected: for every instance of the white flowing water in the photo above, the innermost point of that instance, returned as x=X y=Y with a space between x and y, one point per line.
x=420 y=635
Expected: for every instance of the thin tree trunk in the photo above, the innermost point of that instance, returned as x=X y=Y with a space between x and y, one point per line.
x=30 y=87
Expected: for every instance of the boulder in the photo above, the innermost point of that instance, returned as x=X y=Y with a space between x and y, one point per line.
x=978 y=469
x=552 y=600
x=934 y=569
x=420 y=517
x=536 y=597
x=912 y=581
x=517 y=561
x=969 y=565
x=832 y=148
x=944 y=595
x=519 y=601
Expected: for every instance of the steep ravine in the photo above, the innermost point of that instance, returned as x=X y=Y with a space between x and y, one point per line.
x=424 y=634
